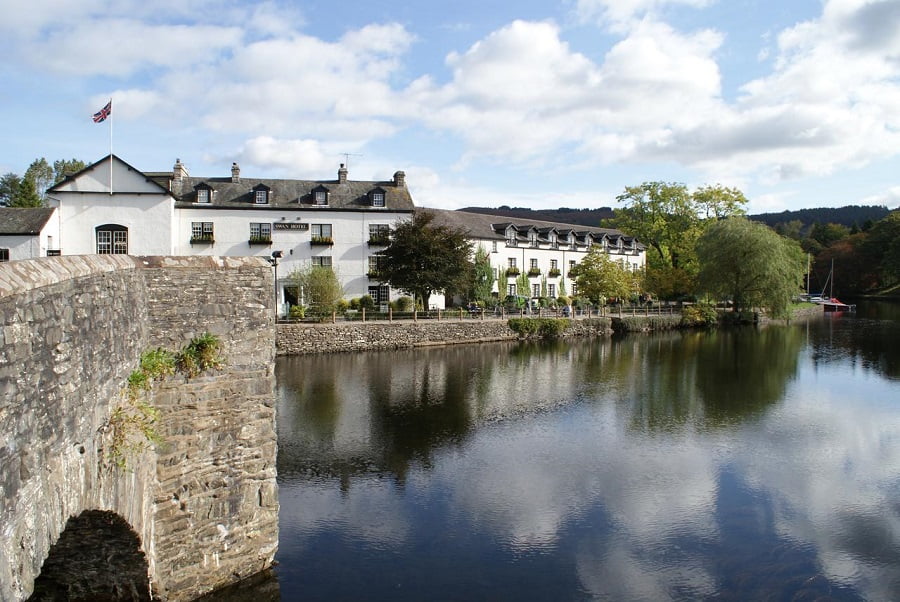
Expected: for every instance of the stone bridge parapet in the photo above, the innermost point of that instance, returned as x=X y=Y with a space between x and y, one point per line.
x=201 y=507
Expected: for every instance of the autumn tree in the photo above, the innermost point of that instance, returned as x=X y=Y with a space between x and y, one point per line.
x=750 y=264
x=424 y=258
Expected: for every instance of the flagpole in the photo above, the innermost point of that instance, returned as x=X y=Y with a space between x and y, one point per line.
x=110 y=148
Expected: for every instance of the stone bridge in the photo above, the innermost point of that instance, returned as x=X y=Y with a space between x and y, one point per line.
x=194 y=513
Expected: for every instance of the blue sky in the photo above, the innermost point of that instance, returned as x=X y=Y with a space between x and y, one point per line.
x=531 y=103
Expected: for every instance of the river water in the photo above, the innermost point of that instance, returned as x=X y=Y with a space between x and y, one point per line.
x=726 y=465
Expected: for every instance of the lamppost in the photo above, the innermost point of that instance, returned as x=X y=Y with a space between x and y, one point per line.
x=276 y=255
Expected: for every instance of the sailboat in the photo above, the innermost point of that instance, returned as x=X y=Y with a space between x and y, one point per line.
x=832 y=303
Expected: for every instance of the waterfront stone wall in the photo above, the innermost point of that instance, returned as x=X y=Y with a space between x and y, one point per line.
x=203 y=505
x=303 y=338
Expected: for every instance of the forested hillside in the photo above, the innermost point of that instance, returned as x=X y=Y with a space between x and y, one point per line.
x=849 y=216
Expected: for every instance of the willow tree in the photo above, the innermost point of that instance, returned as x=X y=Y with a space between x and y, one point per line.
x=750 y=264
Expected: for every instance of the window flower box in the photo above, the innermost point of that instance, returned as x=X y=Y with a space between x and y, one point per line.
x=203 y=239
x=261 y=240
x=534 y=272
x=321 y=241
x=380 y=241
x=553 y=273
x=512 y=271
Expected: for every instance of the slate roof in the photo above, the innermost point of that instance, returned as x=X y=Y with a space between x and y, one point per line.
x=23 y=221
x=286 y=194
x=493 y=227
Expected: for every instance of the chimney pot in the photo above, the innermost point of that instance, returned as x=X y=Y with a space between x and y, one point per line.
x=400 y=179
x=342 y=175
x=235 y=173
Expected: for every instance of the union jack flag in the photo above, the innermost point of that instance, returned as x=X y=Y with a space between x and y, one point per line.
x=103 y=113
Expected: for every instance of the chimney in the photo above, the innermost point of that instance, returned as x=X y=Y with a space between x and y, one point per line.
x=235 y=173
x=179 y=177
x=342 y=175
x=400 y=179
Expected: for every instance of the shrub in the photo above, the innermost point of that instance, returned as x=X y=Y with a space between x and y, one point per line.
x=404 y=304
x=298 y=312
x=699 y=315
x=545 y=328
x=644 y=323
x=367 y=303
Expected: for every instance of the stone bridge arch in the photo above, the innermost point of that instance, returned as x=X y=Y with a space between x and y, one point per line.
x=202 y=508
x=97 y=557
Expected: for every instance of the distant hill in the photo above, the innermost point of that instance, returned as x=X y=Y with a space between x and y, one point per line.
x=848 y=216
x=564 y=215
x=851 y=215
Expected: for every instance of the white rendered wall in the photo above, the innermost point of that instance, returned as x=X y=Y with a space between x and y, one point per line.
x=349 y=230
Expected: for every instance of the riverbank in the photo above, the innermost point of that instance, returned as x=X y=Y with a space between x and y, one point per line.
x=307 y=338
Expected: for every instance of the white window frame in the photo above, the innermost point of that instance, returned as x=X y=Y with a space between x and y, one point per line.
x=261 y=197
x=320 y=230
x=260 y=230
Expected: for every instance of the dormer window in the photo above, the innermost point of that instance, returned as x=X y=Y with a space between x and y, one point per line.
x=511 y=236
x=320 y=196
x=376 y=197
x=261 y=194
x=203 y=193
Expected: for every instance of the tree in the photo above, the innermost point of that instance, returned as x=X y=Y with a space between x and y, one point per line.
x=599 y=277
x=63 y=168
x=826 y=234
x=669 y=219
x=661 y=215
x=9 y=188
x=26 y=195
x=751 y=264
x=483 y=276
x=319 y=289
x=423 y=258
x=41 y=176
x=882 y=246
x=719 y=201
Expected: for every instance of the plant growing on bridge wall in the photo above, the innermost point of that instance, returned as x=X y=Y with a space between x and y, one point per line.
x=202 y=353
x=132 y=424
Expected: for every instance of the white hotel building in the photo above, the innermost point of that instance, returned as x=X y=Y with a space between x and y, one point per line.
x=111 y=207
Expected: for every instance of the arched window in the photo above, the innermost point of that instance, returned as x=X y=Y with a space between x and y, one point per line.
x=112 y=239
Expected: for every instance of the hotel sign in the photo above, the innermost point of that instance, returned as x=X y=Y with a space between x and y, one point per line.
x=289 y=226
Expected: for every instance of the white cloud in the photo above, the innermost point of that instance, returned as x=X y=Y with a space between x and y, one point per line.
x=890 y=198
x=620 y=13
x=291 y=156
